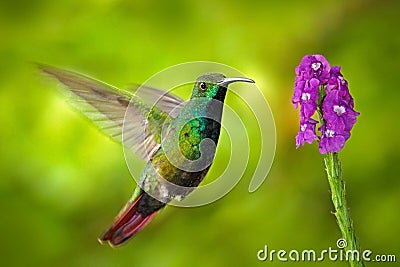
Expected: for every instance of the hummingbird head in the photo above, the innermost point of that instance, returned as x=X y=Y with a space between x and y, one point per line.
x=214 y=85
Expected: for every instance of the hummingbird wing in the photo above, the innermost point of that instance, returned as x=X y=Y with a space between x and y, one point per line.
x=110 y=108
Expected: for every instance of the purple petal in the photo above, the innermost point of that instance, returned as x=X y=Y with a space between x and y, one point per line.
x=331 y=144
x=337 y=113
x=308 y=109
x=298 y=91
x=307 y=132
x=314 y=66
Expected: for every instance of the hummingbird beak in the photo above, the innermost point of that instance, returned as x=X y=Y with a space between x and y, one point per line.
x=226 y=81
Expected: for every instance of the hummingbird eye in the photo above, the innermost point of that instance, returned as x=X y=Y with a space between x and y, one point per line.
x=203 y=86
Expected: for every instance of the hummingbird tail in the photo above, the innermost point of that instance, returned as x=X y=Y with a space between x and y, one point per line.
x=127 y=223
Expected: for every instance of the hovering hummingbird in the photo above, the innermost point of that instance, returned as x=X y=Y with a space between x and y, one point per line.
x=167 y=135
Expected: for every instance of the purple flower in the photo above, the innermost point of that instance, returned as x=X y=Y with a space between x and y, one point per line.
x=312 y=72
x=313 y=66
x=298 y=91
x=337 y=112
x=337 y=107
x=306 y=93
x=337 y=82
x=332 y=141
x=306 y=133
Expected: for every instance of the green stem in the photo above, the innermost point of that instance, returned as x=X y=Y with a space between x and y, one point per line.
x=334 y=171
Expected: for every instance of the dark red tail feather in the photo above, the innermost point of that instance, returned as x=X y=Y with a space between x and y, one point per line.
x=127 y=223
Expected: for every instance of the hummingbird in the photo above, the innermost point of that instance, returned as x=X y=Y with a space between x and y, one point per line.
x=170 y=135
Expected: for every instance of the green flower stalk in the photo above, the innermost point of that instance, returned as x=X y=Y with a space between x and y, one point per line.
x=338 y=190
x=320 y=88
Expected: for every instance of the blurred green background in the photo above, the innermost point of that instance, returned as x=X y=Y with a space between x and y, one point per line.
x=62 y=181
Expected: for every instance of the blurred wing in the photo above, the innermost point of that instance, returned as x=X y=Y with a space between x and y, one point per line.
x=163 y=100
x=106 y=106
